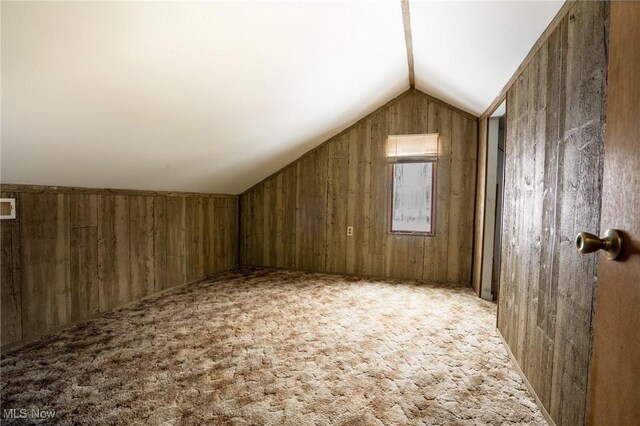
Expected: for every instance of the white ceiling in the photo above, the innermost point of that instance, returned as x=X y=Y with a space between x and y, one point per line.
x=213 y=97
x=466 y=51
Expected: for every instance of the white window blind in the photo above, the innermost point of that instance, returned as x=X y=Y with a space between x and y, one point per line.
x=407 y=148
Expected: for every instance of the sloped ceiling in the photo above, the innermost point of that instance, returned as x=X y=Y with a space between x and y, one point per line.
x=466 y=51
x=213 y=97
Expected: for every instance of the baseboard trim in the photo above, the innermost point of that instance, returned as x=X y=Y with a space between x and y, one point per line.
x=546 y=415
x=372 y=277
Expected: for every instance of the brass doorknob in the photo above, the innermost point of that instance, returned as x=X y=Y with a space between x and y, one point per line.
x=611 y=243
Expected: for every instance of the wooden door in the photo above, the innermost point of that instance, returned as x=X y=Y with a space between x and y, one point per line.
x=614 y=390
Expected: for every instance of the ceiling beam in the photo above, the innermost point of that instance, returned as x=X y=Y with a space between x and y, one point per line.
x=406 y=19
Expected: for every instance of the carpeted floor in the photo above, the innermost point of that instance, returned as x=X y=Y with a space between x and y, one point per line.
x=274 y=347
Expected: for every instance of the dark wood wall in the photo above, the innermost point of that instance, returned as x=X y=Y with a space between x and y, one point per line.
x=298 y=217
x=554 y=152
x=73 y=253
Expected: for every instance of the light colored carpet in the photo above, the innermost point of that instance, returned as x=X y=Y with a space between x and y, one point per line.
x=275 y=347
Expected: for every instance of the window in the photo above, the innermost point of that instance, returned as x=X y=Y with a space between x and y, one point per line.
x=412 y=176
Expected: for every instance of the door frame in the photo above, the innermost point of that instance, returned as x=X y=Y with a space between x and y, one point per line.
x=483 y=254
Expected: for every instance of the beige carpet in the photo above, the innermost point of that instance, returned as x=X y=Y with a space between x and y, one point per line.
x=271 y=347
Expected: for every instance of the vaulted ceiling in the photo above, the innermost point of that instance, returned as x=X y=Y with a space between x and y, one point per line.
x=215 y=96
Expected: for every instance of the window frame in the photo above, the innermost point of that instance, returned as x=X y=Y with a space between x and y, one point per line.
x=390 y=192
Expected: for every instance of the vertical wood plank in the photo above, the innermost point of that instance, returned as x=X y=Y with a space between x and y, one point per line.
x=141 y=237
x=209 y=236
x=62 y=301
x=336 y=239
x=35 y=263
x=306 y=206
x=580 y=182
x=85 y=292
x=85 y=283
x=336 y=219
x=270 y=238
x=114 y=267
x=379 y=192
x=320 y=214
x=45 y=262
x=11 y=302
x=456 y=200
x=508 y=265
x=160 y=242
x=242 y=218
x=257 y=219
x=359 y=181
x=84 y=210
x=470 y=143
x=289 y=217
x=437 y=248
x=221 y=237
x=232 y=232
x=194 y=217
x=176 y=241
x=279 y=238
x=481 y=192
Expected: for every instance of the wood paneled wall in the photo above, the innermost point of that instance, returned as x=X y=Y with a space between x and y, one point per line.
x=298 y=217
x=73 y=253
x=554 y=152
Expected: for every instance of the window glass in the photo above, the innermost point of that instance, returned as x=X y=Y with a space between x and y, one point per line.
x=412 y=197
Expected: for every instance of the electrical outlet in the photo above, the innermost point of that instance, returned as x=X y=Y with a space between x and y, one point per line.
x=350 y=231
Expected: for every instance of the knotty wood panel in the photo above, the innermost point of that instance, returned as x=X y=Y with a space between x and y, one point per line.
x=553 y=177
x=344 y=182
x=72 y=253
